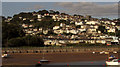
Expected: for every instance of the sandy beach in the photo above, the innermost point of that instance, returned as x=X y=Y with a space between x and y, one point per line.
x=33 y=58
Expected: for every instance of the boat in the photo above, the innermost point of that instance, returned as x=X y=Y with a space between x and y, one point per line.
x=113 y=61
x=4 y=55
x=43 y=60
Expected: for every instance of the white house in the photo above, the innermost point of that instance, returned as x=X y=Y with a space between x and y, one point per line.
x=78 y=23
x=45 y=31
x=73 y=31
x=111 y=30
x=91 y=22
x=56 y=27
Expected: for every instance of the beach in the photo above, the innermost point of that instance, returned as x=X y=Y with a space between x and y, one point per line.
x=33 y=58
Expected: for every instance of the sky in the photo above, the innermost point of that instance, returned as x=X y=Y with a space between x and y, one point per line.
x=96 y=9
x=60 y=0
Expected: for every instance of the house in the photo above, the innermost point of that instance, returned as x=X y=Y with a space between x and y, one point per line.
x=46 y=14
x=112 y=23
x=82 y=29
x=118 y=27
x=40 y=29
x=83 y=26
x=62 y=24
x=35 y=30
x=53 y=17
x=30 y=26
x=99 y=31
x=52 y=42
x=45 y=31
x=25 y=26
x=74 y=41
x=112 y=40
x=20 y=17
x=102 y=41
x=91 y=22
x=29 y=32
x=56 y=27
x=78 y=23
x=107 y=22
x=31 y=20
x=73 y=31
x=24 y=18
x=111 y=30
x=58 y=31
x=96 y=26
x=39 y=19
x=91 y=30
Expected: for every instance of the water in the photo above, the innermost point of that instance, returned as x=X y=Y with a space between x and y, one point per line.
x=81 y=63
x=70 y=64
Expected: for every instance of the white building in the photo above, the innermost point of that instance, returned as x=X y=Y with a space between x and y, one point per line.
x=56 y=27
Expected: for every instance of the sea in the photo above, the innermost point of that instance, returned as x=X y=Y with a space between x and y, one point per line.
x=70 y=64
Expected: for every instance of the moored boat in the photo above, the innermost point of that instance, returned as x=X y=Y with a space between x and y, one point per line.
x=113 y=61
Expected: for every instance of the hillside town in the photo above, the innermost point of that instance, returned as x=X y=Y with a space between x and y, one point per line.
x=72 y=29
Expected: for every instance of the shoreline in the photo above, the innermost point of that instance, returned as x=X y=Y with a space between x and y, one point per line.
x=33 y=58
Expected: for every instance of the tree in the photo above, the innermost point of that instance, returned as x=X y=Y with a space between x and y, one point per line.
x=102 y=29
x=57 y=12
x=118 y=33
x=52 y=11
x=33 y=41
x=16 y=42
x=43 y=12
x=11 y=31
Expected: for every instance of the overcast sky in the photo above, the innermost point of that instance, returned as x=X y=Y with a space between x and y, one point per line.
x=60 y=0
x=96 y=9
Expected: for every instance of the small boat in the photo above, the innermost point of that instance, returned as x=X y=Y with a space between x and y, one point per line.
x=44 y=61
x=4 y=55
x=113 y=61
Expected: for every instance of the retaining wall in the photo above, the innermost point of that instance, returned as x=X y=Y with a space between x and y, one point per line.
x=51 y=50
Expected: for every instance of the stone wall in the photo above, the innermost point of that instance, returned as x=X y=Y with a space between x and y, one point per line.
x=51 y=50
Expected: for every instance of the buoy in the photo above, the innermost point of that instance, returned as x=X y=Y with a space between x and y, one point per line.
x=91 y=62
x=115 y=52
x=93 y=52
x=101 y=52
x=106 y=52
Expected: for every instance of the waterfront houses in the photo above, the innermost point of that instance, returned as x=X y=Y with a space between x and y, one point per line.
x=73 y=29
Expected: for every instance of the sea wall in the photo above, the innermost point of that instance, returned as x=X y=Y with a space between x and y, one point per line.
x=59 y=49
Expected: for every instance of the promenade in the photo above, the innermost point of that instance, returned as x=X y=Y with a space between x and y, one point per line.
x=59 y=49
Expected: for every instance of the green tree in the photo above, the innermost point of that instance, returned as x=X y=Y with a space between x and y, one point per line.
x=33 y=41
x=43 y=12
x=102 y=29
x=16 y=42
x=11 y=30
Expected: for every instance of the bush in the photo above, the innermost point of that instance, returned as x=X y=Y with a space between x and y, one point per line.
x=24 y=41
x=16 y=42
x=33 y=41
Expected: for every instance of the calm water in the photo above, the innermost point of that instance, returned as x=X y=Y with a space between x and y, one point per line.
x=71 y=64
x=80 y=64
